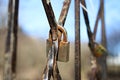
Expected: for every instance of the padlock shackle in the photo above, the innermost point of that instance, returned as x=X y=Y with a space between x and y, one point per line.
x=62 y=30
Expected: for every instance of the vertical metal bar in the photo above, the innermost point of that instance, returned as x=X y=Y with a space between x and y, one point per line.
x=77 y=41
x=103 y=59
x=15 y=31
x=103 y=25
x=7 y=73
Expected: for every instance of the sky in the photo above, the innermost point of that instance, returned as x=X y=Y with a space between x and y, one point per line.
x=34 y=13
x=33 y=20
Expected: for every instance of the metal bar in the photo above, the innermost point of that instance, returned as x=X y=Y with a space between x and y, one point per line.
x=51 y=18
x=48 y=71
x=96 y=22
x=15 y=31
x=89 y=32
x=64 y=12
x=7 y=73
x=56 y=74
x=102 y=61
x=63 y=15
x=52 y=67
x=53 y=70
x=103 y=25
x=77 y=41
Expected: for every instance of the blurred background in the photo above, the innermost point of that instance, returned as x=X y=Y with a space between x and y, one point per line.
x=33 y=32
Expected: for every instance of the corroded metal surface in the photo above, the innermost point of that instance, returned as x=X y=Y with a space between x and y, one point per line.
x=100 y=60
x=96 y=22
x=15 y=31
x=89 y=32
x=7 y=74
x=51 y=67
x=63 y=15
x=64 y=12
x=77 y=41
x=11 y=41
x=51 y=17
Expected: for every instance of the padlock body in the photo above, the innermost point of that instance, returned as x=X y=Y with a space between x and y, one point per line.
x=99 y=50
x=48 y=46
x=63 y=53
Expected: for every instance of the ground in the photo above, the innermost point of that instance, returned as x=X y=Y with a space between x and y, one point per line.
x=31 y=58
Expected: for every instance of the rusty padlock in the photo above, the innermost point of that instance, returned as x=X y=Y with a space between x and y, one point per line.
x=63 y=48
x=99 y=50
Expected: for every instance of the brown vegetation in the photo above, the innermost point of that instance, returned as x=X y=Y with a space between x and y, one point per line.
x=31 y=58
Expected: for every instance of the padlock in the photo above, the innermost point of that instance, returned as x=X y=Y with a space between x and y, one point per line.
x=63 y=48
x=99 y=50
